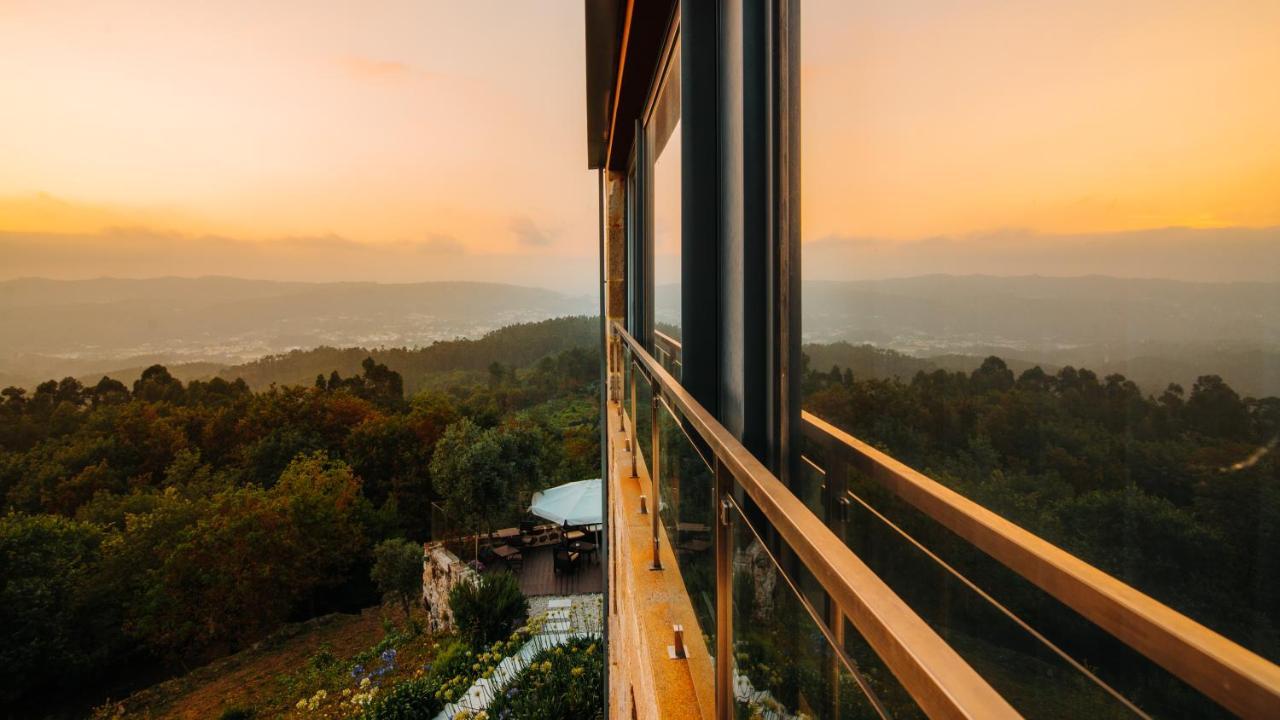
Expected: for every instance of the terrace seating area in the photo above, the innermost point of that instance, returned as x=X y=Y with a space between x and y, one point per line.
x=546 y=558
x=542 y=573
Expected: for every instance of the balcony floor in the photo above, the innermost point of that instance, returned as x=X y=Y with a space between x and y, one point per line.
x=539 y=578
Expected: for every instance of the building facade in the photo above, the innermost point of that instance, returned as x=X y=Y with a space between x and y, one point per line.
x=735 y=585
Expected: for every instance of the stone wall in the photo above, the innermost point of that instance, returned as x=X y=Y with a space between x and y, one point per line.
x=441 y=570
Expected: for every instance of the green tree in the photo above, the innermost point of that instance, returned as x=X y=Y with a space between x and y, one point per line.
x=47 y=634
x=157 y=385
x=470 y=469
x=108 y=391
x=397 y=571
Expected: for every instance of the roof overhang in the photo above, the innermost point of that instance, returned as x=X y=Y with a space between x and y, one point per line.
x=624 y=44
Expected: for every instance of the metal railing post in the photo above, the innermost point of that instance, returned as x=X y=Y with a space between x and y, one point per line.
x=654 y=473
x=724 y=595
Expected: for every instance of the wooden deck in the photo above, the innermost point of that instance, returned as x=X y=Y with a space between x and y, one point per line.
x=538 y=576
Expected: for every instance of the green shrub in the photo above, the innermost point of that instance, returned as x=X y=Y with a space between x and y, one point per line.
x=235 y=712
x=566 y=681
x=452 y=672
x=488 y=610
x=411 y=700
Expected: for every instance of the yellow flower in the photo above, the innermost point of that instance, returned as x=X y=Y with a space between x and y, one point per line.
x=577 y=672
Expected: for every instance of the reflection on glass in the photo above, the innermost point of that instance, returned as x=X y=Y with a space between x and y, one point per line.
x=666 y=236
x=1005 y=633
x=809 y=483
x=663 y=133
x=1042 y=265
x=784 y=666
x=688 y=514
x=644 y=418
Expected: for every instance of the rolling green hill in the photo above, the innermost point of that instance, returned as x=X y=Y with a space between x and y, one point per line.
x=515 y=345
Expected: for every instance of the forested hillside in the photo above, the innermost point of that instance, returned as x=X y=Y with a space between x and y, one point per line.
x=517 y=345
x=153 y=527
x=1177 y=493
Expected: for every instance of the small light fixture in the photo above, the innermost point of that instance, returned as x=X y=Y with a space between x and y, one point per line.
x=644 y=505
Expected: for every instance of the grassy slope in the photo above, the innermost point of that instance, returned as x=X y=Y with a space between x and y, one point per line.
x=272 y=676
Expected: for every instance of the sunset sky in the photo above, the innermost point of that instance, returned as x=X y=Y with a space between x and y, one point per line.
x=415 y=139
x=429 y=140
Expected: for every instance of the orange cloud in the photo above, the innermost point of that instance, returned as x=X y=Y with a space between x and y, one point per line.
x=45 y=213
x=375 y=69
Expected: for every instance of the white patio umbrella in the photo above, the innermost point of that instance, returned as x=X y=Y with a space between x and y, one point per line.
x=575 y=503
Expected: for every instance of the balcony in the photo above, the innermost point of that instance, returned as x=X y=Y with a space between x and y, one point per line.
x=865 y=588
x=765 y=562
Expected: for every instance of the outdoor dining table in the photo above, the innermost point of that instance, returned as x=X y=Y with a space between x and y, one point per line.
x=574 y=535
x=505 y=551
x=584 y=547
x=507 y=533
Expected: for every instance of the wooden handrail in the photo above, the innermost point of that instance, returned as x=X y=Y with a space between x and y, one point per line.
x=667 y=344
x=1239 y=680
x=939 y=680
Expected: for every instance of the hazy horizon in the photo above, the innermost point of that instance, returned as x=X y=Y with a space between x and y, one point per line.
x=572 y=293
x=1186 y=254
x=177 y=139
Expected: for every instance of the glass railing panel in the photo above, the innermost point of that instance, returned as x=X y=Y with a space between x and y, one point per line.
x=785 y=665
x=667 y=350
x=809 y=483
x=1043 y=657
x=687 y=488
x=626 y=377
x=644 y=418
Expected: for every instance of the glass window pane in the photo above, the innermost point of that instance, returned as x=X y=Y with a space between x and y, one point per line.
x=664 y=137
x=1041 y=256
x=688 y=511
x=784 y=664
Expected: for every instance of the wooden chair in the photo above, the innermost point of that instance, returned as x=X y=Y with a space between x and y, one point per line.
x=528 y=531
x=565 y=561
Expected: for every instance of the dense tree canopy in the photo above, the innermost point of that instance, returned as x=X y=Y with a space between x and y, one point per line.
x=167 y=522
x=1178 y=494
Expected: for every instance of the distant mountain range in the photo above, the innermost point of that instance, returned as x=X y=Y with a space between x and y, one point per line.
x=1152 y=331
x=50 y=327
x=1042 y=314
